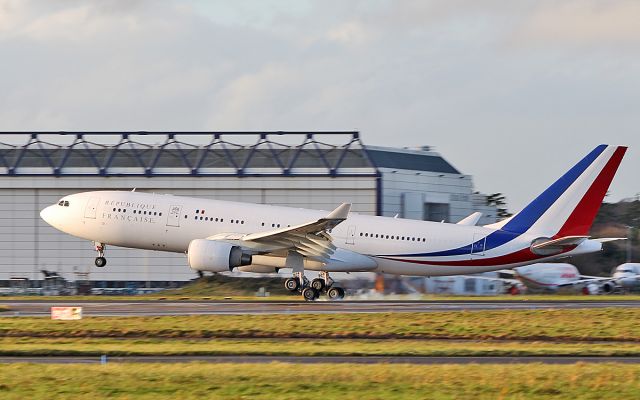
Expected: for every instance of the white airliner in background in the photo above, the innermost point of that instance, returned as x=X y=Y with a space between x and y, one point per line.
x=220 y=235
x=556 y=277
x=627 y=276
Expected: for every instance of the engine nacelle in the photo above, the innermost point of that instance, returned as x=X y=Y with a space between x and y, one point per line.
x=608 y=287
x=215 y=256
x=259 y=269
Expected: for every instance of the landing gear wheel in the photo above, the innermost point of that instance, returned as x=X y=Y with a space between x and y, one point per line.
x=292 y=284
x=318 y=284
x=100 y=262
x=336 y=293
x=309 y=293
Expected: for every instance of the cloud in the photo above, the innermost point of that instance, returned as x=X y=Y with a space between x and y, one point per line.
x=489 y=83
x=584 y=23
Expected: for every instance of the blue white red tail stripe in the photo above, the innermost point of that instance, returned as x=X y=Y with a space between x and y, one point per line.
x=566 y=208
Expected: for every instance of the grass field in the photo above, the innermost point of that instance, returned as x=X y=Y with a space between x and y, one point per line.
x=612 y=324
x=306 y=347
x=319 y=381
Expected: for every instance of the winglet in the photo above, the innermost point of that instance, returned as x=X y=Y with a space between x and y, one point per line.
x=341 y=212
x=471 y=220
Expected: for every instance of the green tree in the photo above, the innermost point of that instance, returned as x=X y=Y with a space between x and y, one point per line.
x=499 y=201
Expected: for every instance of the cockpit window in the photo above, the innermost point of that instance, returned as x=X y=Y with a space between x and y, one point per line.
x=66 y=203
x=61 y=203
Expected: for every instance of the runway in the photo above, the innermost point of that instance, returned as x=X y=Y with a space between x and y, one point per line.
x=320 y=360
x=230 y=307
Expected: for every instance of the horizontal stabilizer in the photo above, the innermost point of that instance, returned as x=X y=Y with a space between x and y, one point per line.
x=555 y=246
x=605 y=240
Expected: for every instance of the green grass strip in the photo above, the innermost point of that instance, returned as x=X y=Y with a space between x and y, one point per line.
x=321 y=381
x=614 y=324
x=306 y=347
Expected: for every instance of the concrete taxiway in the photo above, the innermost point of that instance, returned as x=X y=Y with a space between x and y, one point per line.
x=319 y=360
x=191 y=307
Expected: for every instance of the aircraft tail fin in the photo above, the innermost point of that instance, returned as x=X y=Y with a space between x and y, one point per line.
x=569 y=206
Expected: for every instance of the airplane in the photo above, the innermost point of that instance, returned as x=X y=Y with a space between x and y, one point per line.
x=556 y=277
x=627 y=275
x=221 y=236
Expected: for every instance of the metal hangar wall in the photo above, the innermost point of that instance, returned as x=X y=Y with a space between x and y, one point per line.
x=302 y=169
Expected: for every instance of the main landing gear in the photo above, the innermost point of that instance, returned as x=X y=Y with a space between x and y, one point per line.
x=100 y=260
x=312 y=290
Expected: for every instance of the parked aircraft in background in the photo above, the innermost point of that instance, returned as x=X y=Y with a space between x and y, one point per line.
x=627 y=276
x=555 y=277
x=220 y=236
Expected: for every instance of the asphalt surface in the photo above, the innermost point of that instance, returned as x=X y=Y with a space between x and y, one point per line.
x=187 y=307
x=321 y=360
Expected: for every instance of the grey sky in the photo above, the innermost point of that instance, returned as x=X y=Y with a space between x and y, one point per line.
x=511 y=92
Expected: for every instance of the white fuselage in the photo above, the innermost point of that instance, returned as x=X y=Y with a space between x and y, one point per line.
x=397 y=246
x=547 y=277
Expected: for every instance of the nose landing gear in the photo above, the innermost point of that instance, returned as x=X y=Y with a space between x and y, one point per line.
x=100 y=260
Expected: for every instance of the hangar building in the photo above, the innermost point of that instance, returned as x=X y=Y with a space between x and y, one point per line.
x=301 y=169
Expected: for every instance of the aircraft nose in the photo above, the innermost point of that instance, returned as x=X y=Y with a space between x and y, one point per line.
x=47 y=214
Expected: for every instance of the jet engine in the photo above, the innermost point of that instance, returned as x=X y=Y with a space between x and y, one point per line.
x=215 y=256
x=608 y=287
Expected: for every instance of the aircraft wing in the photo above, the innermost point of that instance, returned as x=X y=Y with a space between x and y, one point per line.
x=311 y=239
x=586 y=280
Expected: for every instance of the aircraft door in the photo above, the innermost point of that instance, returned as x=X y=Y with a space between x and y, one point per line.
x=351 y=235
x=173 y=219
x=478 y=245
x=92 y=206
